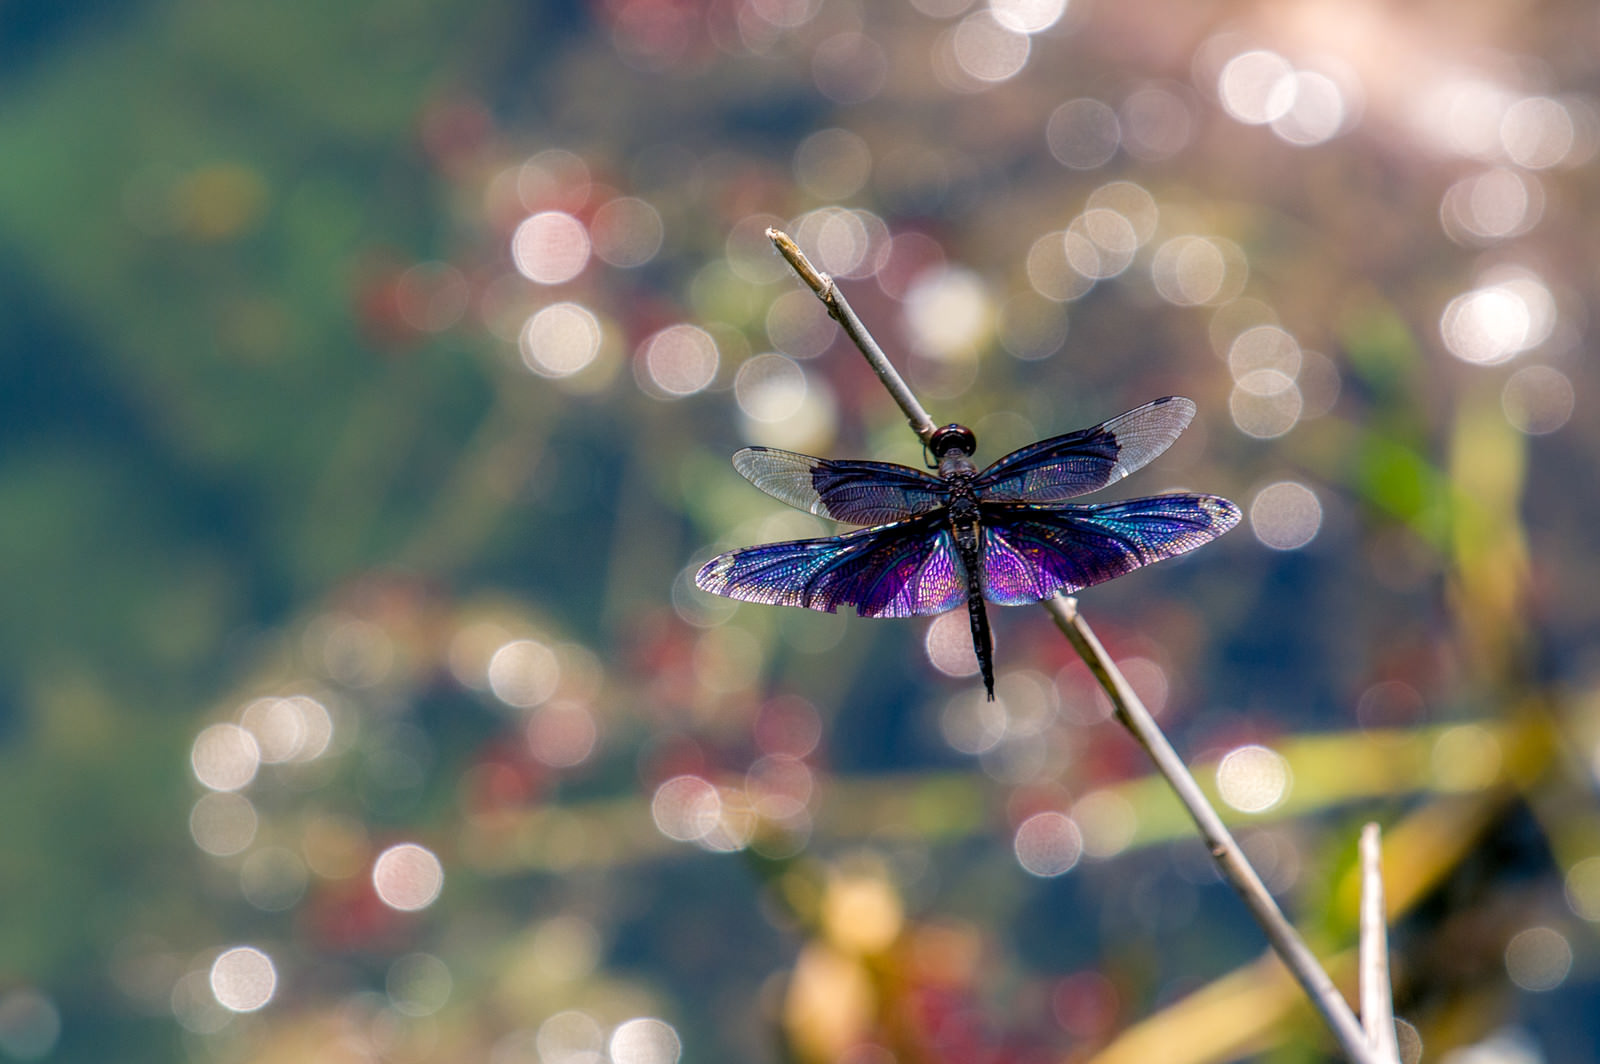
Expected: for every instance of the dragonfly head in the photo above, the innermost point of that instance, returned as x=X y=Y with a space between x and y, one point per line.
x=951 y=447
x=952 y=438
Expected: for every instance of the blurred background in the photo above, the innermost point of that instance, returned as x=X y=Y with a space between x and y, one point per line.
x=370 y=376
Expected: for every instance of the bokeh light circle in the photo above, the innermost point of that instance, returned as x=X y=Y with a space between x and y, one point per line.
x=1538 y=959
x=1253 y=779
x=1083 y=134
x=524 y=673
x=1257 y=87
x=680 y=360
x=645 y=1040
x=225 y=757
x=560 y=340
x=686 y=808
x=550 y=248
x=407 y=877
x=833 y=164
x=1027 y=16
x=987 y=50
x=1048 y=844
x=243 y=979
x=1538 y=400
x=1285 y=515
x=626 y=231
x=770 y=388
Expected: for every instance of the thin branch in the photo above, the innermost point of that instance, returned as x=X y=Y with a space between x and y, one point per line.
x=1288 y=944
x=1377 y=992
x=1236 y=869
x=840 y=310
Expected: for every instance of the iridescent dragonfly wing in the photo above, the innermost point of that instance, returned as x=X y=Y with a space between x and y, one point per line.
x=1064 y=467
x=861 y=493
x=905 y=569
x=1031 y=553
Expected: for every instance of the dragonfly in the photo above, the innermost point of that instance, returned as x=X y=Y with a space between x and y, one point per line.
x=1006 y=535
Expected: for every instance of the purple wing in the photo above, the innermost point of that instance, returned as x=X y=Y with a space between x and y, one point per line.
x=861 y=493
x=1031 y=553
x=900 y=570
x=1064 y=467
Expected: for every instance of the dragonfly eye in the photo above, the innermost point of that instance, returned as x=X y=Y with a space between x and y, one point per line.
x=952 y=438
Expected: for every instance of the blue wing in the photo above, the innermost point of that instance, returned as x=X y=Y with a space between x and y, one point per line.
x=1031 y=553
x=1064 y=467
x=905 y=569
x=861 y=493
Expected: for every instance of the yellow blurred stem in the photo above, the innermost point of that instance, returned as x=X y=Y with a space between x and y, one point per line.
x=1487 y=462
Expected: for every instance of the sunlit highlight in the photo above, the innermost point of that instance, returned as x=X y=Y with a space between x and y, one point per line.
x=679 y=360
x=225 y=757
x=243 y=979
x=1285 y=515
x=551 y=247
x=1048 y=844
x=1253 y=779
x=407 y=877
